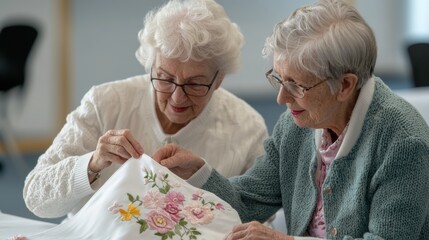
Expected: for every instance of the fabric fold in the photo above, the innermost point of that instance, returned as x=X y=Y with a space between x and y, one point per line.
x=144 y=200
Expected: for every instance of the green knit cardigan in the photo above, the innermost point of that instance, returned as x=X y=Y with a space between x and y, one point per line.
x=380 y=190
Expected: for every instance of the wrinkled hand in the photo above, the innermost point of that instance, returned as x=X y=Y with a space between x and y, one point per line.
x=255 y=231
x=115 y=146
x=180 y=161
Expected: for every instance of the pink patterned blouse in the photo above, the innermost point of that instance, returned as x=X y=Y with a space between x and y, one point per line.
x=327 y=153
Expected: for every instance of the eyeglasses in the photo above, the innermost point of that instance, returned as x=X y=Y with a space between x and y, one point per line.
x=294 y=89
x=190 y=89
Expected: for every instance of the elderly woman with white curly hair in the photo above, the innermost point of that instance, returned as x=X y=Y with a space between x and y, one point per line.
x=187 y=47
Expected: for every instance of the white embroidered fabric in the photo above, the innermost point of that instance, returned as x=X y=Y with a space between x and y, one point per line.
x=144 y=200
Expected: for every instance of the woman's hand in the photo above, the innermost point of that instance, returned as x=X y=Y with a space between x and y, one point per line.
x=180 y=161
x=115 y=146
x=255 y=231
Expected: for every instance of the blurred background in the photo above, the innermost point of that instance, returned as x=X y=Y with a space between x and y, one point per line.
x=82 y=43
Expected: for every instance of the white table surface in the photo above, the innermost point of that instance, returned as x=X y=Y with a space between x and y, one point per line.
x=11 y=225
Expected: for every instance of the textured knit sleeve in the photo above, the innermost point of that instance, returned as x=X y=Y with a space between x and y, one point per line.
x=59 y=180
x=256 y=194
x=397 y=167
x=399 y=192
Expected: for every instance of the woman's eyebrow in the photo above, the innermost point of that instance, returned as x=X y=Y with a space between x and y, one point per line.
x=189 y=78
x=165 y=71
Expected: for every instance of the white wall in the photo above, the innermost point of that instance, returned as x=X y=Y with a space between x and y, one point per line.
x=388 y=20
x=104 y=40
x=34 y=116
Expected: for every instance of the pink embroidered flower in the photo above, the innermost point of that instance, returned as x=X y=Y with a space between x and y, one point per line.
x=145 y=181
x=161 y=175
x=18 y=237
x=159 y=221
x=175 y=184
x=197 y=214
x=197 y=195
x=219 y=206
x=153 y=199
x=175 y=198
x=173 y=210
x=115 y=208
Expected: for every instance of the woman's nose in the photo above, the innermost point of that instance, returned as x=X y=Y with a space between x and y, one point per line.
x=284 y=96
x=179 y=95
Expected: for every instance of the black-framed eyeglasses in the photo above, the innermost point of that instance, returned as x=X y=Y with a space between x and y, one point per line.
x=292 y=87
x=190 y=89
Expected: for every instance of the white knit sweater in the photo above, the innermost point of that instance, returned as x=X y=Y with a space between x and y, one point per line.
x=229 y=134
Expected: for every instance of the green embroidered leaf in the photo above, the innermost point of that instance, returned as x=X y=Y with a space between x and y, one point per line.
x=177 y=229
x=130 y=197
x=196 y=233
x=166 y=176
x=182 y=222
x=143 y=225
x=162 y=235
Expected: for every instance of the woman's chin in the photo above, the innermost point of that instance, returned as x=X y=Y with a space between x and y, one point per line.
x=300 y=123
x=179 y=119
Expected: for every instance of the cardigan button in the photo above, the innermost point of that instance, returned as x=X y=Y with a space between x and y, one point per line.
x=327 y=190
x=168 y=140
x=333 y=232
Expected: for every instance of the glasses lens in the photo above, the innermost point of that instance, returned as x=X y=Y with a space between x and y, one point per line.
x=293 y=89
x=163 y=86
x=196 y=90
x=274 y=82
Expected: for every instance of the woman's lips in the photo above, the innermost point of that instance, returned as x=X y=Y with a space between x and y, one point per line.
x=296 y=112
x=179 y=109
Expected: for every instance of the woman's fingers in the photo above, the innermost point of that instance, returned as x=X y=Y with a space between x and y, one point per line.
x=164 y=153
x=125 y=139
x=255 y=230
x=115 y=146
x=180 y=161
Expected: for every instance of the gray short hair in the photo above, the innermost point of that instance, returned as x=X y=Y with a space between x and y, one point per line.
x=191 y=29
x=325 y=39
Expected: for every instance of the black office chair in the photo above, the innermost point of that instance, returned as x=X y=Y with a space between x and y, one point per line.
x=419 y=58
x=16 y=42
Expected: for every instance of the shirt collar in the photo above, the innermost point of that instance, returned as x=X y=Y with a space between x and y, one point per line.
x=356 y=120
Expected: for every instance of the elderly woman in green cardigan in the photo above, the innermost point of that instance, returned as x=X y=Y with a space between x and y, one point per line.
x=349 y=159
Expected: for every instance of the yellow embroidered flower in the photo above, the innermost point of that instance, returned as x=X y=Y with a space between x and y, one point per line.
x=132 y=211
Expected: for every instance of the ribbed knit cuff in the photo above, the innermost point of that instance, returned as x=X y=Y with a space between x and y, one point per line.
x=81 y=182
x=201 y=176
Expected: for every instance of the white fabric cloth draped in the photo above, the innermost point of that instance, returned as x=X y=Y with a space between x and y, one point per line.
x=144 y=200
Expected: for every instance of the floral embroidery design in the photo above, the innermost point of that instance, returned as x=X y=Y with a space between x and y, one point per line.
x=18 y=237
x=169 y=213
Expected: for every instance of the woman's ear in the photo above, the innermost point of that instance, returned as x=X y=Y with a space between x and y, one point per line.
x=347 y=87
